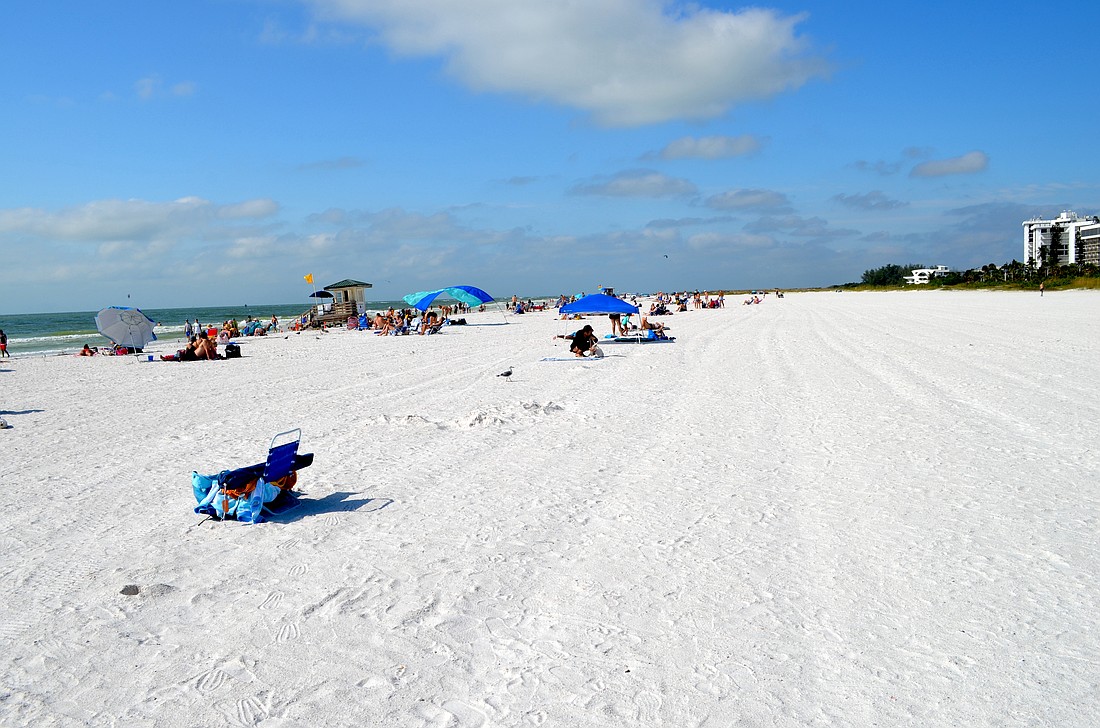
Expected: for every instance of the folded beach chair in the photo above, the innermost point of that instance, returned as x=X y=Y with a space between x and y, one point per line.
x=244 y=493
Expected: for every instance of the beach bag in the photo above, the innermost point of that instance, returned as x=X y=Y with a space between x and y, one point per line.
x=232 y=351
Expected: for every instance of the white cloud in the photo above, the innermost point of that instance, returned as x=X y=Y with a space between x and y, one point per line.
x=729 y=241
x=147 y=87
x=251 y=246
x=627 y=62
x=712 y=147
x=636 y=183
x=748 y=199
x=152 y=86
x=880 y=167
x=798 y=226
x=133 y=220
x=185 y=88
x=966 y=164
x=250 y=209
x=874 y=200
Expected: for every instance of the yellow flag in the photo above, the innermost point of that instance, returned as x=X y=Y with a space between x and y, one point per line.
x=309 y=278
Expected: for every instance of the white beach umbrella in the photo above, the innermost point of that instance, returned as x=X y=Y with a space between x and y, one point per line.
x=125 y=326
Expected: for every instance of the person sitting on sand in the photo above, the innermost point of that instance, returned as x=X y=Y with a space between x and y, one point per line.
x=187 y=353
x=206 y=348
x=400 y=324
x=389 y=325
x=584 y=341
x=429 y=321
x=87 y=351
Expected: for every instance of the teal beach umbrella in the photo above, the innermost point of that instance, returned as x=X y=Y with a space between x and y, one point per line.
x=470 y=295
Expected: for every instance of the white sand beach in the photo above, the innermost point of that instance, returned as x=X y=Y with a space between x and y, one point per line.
x=831 y=509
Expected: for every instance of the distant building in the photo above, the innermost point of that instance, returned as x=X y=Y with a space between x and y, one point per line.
x=923 y=275
x=349 y=291
x=1088 y=243
x=1066 y=239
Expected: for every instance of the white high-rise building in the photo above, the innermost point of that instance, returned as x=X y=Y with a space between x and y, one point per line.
x=1061 y=238
x=1088 y=237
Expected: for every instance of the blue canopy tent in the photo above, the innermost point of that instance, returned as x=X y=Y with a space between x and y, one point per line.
x=469 y=295
x=599 y=303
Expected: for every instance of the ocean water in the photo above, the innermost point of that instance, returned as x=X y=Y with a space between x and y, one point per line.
x=49 y=334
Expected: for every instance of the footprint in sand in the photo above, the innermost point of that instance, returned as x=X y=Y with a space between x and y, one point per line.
x=288 y=632
x=292 y=543
x=298 y=570
x=210 y=680
x=273 y=600
x=250 y=711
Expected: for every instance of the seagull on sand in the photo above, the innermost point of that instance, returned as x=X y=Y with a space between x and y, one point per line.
x=506 y=374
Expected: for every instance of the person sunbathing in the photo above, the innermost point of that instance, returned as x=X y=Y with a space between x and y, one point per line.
x=658 y=328
x=87 y=351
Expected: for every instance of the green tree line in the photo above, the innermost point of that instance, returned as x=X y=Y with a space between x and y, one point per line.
x=1013 y=272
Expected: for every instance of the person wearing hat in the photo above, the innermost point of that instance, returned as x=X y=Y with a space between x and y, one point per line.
x=584 y=341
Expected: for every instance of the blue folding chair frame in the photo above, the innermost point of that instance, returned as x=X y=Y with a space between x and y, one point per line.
x=280 y=463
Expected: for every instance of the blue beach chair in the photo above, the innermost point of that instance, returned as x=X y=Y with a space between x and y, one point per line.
x=244 y=493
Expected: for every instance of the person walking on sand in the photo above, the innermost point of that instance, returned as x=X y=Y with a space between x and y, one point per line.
x=4 y=344
x=1042 y=287
x=187 y=330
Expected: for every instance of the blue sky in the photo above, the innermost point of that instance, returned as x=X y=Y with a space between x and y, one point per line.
x=215 y=151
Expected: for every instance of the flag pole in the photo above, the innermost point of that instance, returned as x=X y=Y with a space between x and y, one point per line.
x=309 y=279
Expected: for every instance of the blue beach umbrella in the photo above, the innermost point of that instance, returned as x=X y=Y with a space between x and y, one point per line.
x=469 y=295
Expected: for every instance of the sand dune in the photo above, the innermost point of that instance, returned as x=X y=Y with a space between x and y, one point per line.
x=845 y=509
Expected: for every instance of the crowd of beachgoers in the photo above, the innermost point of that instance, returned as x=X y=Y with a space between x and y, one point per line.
x=202 y=341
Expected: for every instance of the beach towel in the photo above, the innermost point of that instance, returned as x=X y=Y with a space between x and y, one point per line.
x=642 y=339
x=573 y=358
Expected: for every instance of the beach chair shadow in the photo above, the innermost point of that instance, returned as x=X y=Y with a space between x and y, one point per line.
x=20 y=412
x=299 y=508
